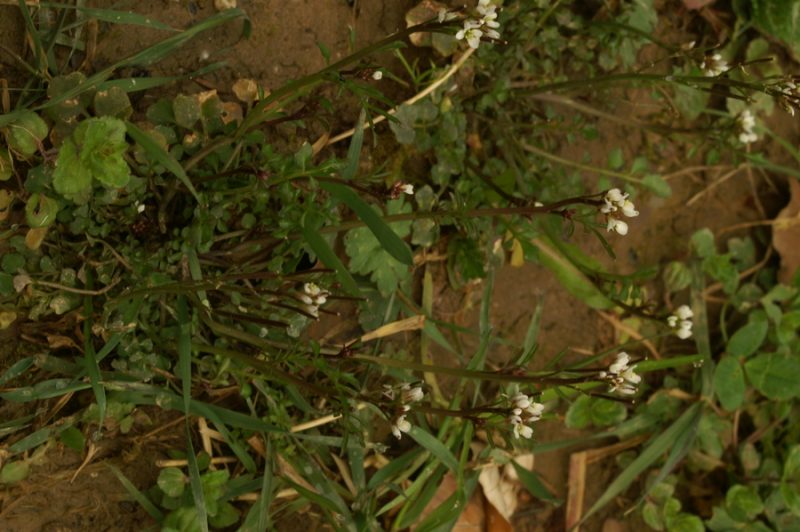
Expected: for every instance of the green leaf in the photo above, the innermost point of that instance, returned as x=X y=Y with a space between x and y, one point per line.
x=749 y=338
x=657 y=185
x=729 y=383
x=530 y=479
x=436 y=447
x=368 y=257
x=743 y=503
x=652 y=516
x=778 y=19
x=703 y=243
x=40 y=211
x=112 y=102
x=227 y=515
x=187 y=110
x=158 y=154
x=578 y=416
x=677 y=276
x=774 y=375
x=388 y=239
x=95 y=150
x=685 y=523
x=172 y=481
x=354 y=151
x=605 y=412
x=149 y=507
x=6 y=165
x=325 y=254
x=14 y=472
x=790 y=480
x=73 y=438
x=26 y=132
x=616 y=159
x=570 y=277
x=70 y=178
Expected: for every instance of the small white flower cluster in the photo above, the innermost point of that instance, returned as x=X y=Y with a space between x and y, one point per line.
x=789 y=95
x=407 y=395
x=614 y=201
x=484 y=25
x=747 y=124
x=313 y=297
x=620 y=376
x=713 y=65
x=524 y=412
x=681 y=322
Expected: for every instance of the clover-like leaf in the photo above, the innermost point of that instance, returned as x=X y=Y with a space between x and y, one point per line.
x=172 y=481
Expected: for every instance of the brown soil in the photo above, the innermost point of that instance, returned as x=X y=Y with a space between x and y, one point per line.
x=283 y=46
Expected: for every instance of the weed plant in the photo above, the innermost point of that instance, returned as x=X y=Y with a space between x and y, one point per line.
x=177 y=258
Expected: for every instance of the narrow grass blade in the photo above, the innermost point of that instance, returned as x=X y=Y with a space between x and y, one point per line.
x=418 y=500
x=436 y=447
x=38 y=47
x=700 y=333
x=19 y=367
x=570 y=277
x=650 y=455
x=44 y=390
x=392 y=243
x=159 y=154
x=393 y=469
x=530 y=479
x=196 y=483
x=531 y=335
x=92 y=368
x=324 y=253
x=30 y=441
x=137 y=495
x=114 y=16
x=354 y=151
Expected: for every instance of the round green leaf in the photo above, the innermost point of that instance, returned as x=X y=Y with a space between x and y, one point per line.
x=743 y=503
x=26 y=132
x=578 y=413
x=790 y=482
x=172 y=481
x=113 y=102
x=187 y=110
x=605 y=412
x=729 y=383
x=13 y=472
x=685 y=523
x=774 y=375
x=40 y=211
x=749 y=338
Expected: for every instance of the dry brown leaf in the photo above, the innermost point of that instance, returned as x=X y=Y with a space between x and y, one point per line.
x=246 y=90
x=231 y=112
x=786 y=235
x=56 y=341
x=7 y=317
x=495 y=522
x=499 y=491
x=34 y=237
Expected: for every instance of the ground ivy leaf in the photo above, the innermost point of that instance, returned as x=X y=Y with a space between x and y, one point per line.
x=70 y=178
x=368 y=257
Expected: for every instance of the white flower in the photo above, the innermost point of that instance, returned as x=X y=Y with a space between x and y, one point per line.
x=407 y=189
x=305 y=299
x=628 y=209
x=472 y=35
x=615 y=196
x=313 y=310
x=684 y=312
x=515 y=419
x=522 y=430
x=620 y=364
x=681 y=322
x=411 y=395
x=747 y=124
x=521 y=400
x=400 y=426
x=619 y=226
x=714 y=65
x=534 y=412
x=631 y=376
x=377 y=75
x=312 y=289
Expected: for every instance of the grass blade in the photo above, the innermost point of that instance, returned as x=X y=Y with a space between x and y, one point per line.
x=137 y=495
x=158 y=154
x=392 y=243
x=19 y=367
x=92 y=368
x=324 y=253
x=114 y=16
x=354 y=151
x=654 y=451
x=436 y=447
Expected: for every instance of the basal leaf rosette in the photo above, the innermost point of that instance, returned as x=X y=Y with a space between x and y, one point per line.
x=95 y=151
